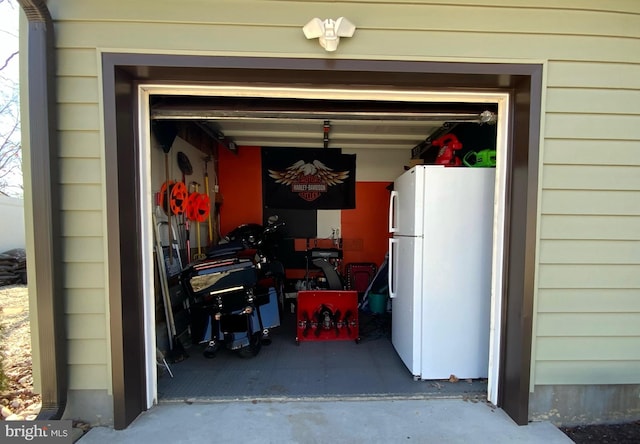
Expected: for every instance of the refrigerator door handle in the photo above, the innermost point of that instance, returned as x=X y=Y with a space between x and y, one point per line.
x=393 y=201
x=391 y=270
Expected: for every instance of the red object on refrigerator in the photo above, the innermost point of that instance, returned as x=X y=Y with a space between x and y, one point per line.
x=448 y=144
x=327 y=315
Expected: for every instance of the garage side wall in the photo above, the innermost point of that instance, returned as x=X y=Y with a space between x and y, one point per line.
x=588 y=304
x=587 y=320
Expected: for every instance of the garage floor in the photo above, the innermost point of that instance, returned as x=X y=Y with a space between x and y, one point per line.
x=327 y=369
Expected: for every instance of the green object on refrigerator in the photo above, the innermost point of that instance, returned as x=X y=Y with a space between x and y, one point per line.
x=483 y=158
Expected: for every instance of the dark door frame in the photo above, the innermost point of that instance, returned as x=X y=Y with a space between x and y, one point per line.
x=123 y=72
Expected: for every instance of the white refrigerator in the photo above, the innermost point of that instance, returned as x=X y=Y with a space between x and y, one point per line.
x=440 y=254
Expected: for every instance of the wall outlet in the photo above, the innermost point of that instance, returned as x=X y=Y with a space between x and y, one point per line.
x=216 y=189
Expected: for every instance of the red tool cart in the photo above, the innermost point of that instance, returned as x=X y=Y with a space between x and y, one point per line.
x=327 y=315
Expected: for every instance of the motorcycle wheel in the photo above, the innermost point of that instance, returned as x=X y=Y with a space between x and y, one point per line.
x=211 y=349
x=253 y=348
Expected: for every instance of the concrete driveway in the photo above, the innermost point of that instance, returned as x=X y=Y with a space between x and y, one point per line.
x=328 y=421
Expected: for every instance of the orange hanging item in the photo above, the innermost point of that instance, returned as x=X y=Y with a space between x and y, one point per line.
x=165 y=195
x=191 y=206
x=203 y=208
x=198 y=207
x=178 y=198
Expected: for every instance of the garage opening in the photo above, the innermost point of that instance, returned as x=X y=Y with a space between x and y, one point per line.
x=329 y=326
x=127 y=77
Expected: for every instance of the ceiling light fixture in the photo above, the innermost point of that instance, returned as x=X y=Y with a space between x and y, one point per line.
x=488 y=117
x=329 y=31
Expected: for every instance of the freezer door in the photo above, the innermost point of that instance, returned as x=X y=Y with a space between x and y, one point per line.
x=405 y=290
x=406 y=208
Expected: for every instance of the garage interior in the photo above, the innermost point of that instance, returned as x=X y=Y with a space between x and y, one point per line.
x=222 y=128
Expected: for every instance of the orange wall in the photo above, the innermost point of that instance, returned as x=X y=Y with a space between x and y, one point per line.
x=240 y=180
x=363 y=229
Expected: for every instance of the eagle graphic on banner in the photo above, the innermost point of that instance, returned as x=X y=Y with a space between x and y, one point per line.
x=309 y=180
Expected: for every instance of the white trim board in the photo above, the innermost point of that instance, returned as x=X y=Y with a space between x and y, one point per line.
x=379 y=95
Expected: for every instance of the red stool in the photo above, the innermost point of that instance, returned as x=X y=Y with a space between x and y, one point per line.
x=359 y=276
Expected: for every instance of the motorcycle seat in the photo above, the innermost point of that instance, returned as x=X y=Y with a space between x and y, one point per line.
x=224 y=250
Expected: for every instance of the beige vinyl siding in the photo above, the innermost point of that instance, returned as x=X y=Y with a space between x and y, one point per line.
x=79 y=117
x=590 y=197
x=611 y=371
x=83 y=242
x=81 y=176
x=84 y=275
x=593 y=152
x=82 y=223
x=594 y=227
x=83 y=352
x=83 y=249
x=85 y=326
x=76 y=63
x=274 y=41
x=592 y=126
x=589 y=274
x=603 y=275
x=594 y=177
x=80 y=144
x=88 y=376
x=85 y=301
x=612 y=79
x=87 y=362
x=591 y=300
x=589 y=324
x=591 y=252
x=471 y=17
x=591 y=202
x=81 y=197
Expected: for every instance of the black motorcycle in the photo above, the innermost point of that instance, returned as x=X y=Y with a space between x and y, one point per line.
x=236 y=291
x=261 y=243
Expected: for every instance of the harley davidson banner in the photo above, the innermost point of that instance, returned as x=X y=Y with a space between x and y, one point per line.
x=308 y=179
